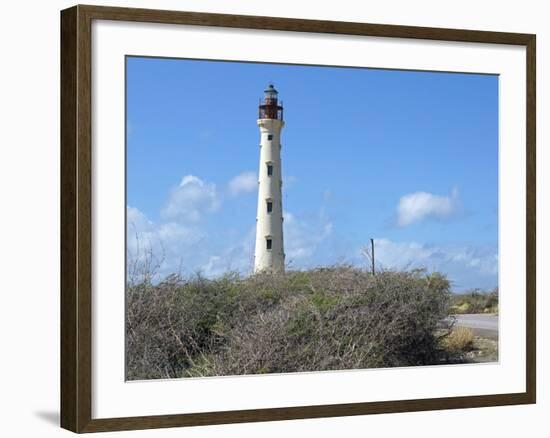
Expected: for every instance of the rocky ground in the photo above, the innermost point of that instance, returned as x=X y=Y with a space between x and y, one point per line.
x=484 y=350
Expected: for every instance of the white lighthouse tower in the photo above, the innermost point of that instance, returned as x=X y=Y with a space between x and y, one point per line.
x=269 y=253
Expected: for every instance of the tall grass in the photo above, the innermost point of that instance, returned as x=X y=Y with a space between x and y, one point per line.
x=322 y=319
x=460 y=339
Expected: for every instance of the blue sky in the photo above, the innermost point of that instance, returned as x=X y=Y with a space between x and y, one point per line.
x=407 y=158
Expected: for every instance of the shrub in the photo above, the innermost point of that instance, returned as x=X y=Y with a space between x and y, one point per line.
x=475 y=301
x=322 y=319
x=461 y=339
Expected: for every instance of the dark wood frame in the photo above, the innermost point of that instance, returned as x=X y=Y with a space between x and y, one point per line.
x=76 y=236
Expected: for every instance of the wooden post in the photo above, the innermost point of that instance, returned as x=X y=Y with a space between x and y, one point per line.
x=372 y=255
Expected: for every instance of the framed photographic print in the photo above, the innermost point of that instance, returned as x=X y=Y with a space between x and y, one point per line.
x=271 y=218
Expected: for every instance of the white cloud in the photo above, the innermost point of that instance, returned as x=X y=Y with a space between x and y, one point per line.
x=163 y=247
x=236 y=257
x=172 y=231
x=181 y=241
x=467 y=266
x=191 y=199
x=302 y=237
x=245 y=182
x=401 y=254
x=136 y=220
x=417 y=206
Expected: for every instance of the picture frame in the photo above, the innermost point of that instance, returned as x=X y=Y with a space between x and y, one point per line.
x=77 y=237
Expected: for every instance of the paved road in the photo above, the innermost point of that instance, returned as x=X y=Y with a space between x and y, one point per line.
x=482 y=324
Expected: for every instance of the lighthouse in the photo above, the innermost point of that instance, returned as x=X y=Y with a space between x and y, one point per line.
x=269 y=254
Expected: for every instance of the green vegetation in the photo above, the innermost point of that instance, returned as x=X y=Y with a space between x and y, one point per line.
x=323 y=319
x=475 y=301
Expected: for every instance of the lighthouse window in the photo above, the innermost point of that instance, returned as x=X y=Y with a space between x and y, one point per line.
x=270 y=136
x=269 y=206
x=268 y=243
x=269 y=169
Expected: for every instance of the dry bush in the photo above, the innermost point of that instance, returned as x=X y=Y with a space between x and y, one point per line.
x=322 y=319
x=461 y=339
